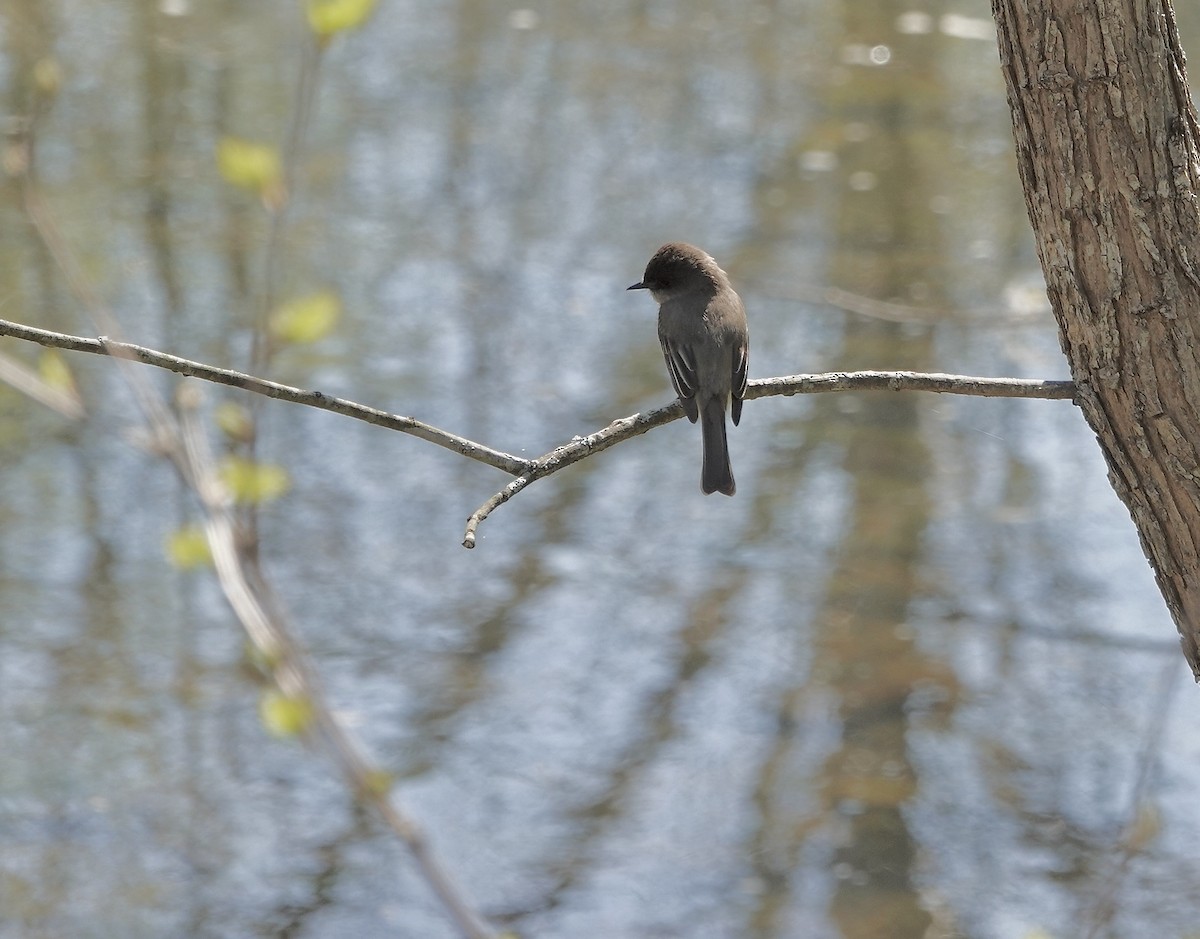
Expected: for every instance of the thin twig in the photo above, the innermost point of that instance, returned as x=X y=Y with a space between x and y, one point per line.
x=262 y=345
x=528 y=471
x=311 y=55
x=315 y=399
x=249 y=596
x=486 y=509
x=580 y=447
x=627 y=427
x=290 y=671
x=912 y=381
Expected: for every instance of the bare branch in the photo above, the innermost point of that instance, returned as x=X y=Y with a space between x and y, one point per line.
x=581 y=446
x=249 y=595
x=260 y=615
x=637 y=424
x=912 y=381
x=578 y=449
x=315 y=399
x=528 y=471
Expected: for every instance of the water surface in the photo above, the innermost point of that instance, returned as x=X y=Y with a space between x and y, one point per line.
x=914 y=680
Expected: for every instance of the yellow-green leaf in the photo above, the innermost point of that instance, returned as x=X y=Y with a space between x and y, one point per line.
x=284 y=716
x=307 y=319
x=252 y=482
x=379 y=782
x=55 y=372
x=187 y=548
x=47 y=75
x=327 y=17
x=249 y=165
x=235 y=421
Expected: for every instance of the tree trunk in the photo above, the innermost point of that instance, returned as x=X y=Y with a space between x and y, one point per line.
x=1106 y=139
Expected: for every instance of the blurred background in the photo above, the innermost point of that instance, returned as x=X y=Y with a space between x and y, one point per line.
x=914 y=680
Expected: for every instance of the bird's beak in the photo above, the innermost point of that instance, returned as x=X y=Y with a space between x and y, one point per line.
x=637 y=287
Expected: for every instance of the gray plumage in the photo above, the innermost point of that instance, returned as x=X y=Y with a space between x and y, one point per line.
x=702 y=329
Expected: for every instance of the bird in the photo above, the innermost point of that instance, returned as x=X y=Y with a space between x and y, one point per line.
x=706 y=344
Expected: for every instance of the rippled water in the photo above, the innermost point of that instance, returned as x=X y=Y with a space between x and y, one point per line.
x=914 y=680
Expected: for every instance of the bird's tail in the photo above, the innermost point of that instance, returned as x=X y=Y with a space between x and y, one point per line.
x=717 y=475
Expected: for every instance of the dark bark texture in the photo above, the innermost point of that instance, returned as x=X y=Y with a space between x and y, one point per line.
x=1106 y=139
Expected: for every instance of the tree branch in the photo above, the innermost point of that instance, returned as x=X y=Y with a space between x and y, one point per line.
x=912 y=381
x=528 y=471
x=234 y=549
x=248 y=593
x=637 y=424
x=314 y=399
x=579 y=448
x=283 y=658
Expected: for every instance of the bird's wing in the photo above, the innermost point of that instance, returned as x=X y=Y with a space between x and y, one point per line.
x=741 y=362
x=681 y=364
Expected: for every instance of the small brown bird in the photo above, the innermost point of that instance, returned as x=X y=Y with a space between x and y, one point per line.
x=702 y=328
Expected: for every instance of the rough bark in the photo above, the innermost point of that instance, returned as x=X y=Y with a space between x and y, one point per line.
x=1106 y=139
